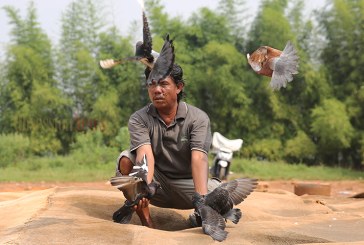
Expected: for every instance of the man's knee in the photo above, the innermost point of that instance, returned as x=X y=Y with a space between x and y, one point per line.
x=125 y=165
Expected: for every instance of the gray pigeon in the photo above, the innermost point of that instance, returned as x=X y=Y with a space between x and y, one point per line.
x=221 y=200
x=134 y=187
x=164 y=64
x=143 y=51
x=213 y=224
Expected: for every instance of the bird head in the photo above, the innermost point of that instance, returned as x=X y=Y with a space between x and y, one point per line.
x=153 y=188
x=257 y=58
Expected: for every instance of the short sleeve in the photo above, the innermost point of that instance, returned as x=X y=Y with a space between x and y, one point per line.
x=200 y=135
x=138 y=130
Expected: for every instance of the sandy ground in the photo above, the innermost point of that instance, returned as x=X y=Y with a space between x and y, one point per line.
x=81 y=213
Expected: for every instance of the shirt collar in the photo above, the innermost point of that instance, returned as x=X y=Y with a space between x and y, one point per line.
x=181 y=110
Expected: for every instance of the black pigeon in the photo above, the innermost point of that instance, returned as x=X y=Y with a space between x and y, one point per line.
x=143 y=51
x=164 y=64
x=213 y=224
x=223 y=198
x=134 y=187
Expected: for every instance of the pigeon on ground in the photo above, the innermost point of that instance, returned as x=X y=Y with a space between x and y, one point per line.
x=281 y=66
x=213 y=224
x=134 y=187
x=143 y=50
x=164 y=64
x=220 y=202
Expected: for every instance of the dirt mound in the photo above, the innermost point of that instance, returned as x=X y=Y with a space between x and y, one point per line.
x=83 y=215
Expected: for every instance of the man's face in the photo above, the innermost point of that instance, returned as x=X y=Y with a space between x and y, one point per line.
x=164 y=93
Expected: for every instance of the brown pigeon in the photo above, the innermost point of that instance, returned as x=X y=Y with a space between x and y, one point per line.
x=134 y=187
x=271 y=62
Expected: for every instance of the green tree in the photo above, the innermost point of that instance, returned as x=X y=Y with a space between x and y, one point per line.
x=32 y=99
x=331 y=125
x=78 y=73
x=342 y=23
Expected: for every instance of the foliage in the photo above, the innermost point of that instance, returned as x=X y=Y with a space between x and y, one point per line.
x=300 y=148
x=266 y=149
x=123 y=139
x=14 y=148
x=317 y=119
x=332 y=126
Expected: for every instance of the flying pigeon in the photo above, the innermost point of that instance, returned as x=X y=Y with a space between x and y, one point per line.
x=134 y=187
x=164 y=64
x=143 y=50
x=281 y=66
x=221 y=200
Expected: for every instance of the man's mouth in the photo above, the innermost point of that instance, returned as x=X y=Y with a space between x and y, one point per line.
x=159 y=98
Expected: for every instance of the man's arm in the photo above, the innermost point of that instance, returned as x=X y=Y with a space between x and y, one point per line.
x=200 y=172
x=147 y=150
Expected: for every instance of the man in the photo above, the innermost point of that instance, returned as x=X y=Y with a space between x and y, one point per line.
x=175 y=137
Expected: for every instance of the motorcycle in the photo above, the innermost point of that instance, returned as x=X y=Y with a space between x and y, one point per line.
x=223 y=149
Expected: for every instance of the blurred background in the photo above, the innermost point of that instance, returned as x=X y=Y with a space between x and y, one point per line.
x=64 y=118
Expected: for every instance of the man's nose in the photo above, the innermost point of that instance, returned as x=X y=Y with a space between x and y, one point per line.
x=157 y=89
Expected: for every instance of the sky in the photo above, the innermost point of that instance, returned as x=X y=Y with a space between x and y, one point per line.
x=121 y=12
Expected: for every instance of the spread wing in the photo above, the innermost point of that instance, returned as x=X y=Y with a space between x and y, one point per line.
x=284 y=67
x=239 y=189
x=213 y=224
x=141 y=169
x=147 y=38
x=164 y=64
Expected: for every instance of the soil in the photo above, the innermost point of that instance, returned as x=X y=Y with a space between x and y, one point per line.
x=338 y=188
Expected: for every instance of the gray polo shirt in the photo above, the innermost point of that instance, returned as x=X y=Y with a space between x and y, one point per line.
x=171 y=145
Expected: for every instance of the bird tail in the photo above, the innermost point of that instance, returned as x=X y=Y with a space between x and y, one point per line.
x=284 y=67
x=215 y=232
x=110 y=63
x=234 y=215
x=123 y=215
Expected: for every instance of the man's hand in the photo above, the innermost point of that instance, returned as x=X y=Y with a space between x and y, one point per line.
x=143 y=203
x=143 y=212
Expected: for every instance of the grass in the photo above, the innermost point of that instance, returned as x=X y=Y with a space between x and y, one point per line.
x=99 y=167
x=78 y=167
x=265 y=170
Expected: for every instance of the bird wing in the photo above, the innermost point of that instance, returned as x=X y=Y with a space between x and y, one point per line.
x=131 y=186
x=213 y=224
x=140 y=170
x=239 y=189
x=284 y=67
x=147 y=37
x=164 y=64
x=123 y=215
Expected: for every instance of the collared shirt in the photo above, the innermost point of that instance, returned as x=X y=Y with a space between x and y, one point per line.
x=172 y=144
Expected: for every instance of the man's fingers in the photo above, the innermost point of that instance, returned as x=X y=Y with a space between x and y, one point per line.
x=143 y=203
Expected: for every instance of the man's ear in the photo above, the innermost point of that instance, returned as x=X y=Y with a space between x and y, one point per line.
x=180 y=86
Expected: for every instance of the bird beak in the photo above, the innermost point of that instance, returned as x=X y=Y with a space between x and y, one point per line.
x=248 y=56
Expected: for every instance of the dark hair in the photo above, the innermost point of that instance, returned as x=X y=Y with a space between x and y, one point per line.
x=177 y=76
